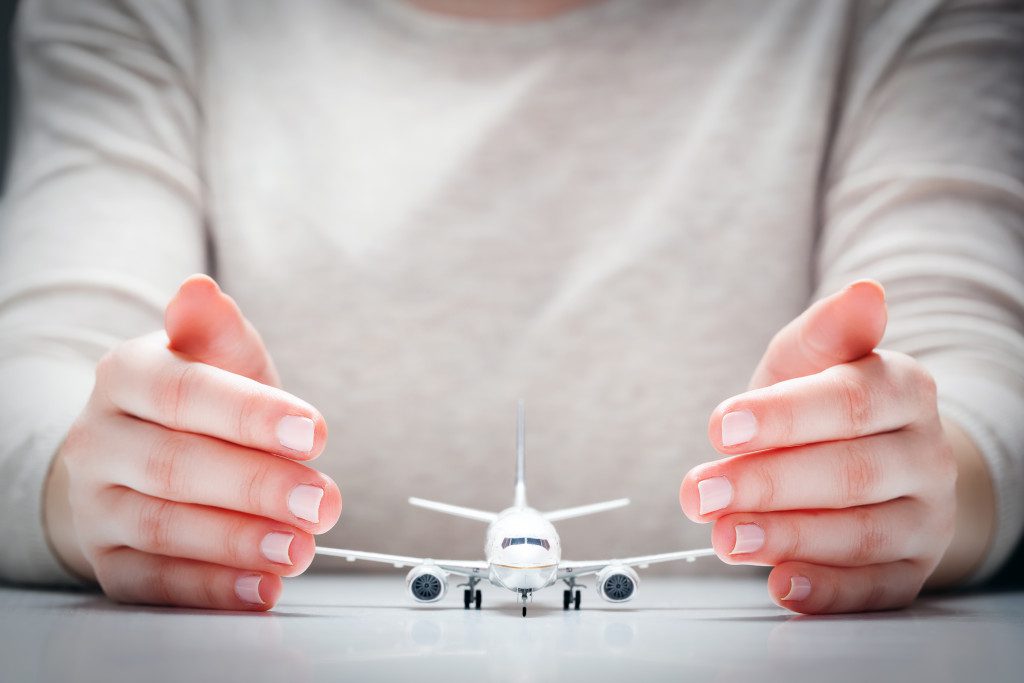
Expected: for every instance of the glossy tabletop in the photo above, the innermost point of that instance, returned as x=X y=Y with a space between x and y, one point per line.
x=364 y=627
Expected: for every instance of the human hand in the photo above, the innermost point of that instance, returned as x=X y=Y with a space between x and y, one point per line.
x=840 y=474
x=180 y=482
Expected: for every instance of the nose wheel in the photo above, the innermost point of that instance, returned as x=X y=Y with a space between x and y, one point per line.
x=524 y=596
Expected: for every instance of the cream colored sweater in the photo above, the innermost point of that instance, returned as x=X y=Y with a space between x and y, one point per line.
x=608 y=214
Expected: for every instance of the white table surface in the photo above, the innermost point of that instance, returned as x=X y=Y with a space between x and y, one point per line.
x=358 y=627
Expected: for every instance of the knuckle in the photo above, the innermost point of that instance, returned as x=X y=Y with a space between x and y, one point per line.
x=156 y=526
x=855 y=396
x=160 y=579
x=767 y=486
x=238 y=546
x=208 y=594
x=780 y=407
x=173 y=390
x=164 y=468
x=793 y=547
x=874 y=538
x=249 y=405
x=254 y=483
x=877 y=596
x=860 y=472
x=832 y=591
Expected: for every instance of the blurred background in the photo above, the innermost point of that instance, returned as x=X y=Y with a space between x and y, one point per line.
x=6 y=79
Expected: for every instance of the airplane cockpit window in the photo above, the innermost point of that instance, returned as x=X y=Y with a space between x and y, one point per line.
x=526 y=541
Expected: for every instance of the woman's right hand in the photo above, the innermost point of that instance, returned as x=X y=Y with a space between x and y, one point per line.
x=181 y=482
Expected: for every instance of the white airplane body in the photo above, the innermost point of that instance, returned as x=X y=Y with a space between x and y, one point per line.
x=522 y=552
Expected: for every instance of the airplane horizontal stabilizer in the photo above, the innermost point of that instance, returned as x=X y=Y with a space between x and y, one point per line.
x=457 y=510
x=566 y=513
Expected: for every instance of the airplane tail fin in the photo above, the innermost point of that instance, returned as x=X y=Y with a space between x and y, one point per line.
x=580 y=511
x=520 y=490
x=456 y=510
x=520 y=495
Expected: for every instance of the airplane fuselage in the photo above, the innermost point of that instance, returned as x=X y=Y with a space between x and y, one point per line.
x=522 y=550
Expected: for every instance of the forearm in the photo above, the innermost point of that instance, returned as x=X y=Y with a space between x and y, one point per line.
x=975 y=512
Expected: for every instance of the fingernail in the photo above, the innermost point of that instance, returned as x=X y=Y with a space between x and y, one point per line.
x=247 y=588
x=749 y=537
x=799 y=588
x=304 y=502
x=275 y=547
x=739 y=426
x=296 y=433
x=715 y=493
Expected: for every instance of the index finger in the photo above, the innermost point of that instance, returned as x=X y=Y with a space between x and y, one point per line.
x=144 y=379
x=881 y=392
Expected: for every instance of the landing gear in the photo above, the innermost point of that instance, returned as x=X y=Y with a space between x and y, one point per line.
x=524 y=595
x=568 y=597
x=471 y=596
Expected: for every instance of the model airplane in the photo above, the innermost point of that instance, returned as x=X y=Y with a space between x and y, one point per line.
x=522 y=550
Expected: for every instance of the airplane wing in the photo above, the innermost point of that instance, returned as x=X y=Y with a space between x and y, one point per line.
x=567 y=569
x=460 y=567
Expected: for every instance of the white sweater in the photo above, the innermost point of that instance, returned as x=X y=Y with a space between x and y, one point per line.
x=608 y=214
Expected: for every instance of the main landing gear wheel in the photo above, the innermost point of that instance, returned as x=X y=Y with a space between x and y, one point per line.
x=567 y=595
x=471 y=596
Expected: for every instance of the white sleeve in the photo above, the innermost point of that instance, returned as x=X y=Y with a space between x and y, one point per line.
x=925 y=192
x=99 y=222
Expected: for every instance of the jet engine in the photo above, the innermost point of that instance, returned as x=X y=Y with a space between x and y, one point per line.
x=427 y=583
x=617 y=583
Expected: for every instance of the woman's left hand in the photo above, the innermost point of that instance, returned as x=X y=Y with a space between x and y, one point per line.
x=840 y=474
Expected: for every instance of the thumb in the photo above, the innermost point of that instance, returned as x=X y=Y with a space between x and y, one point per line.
x=205 y=323
x=837 y=329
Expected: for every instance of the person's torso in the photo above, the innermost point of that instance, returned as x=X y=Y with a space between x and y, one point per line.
x=607 y=215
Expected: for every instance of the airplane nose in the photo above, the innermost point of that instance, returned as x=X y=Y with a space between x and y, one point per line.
x=524 y=578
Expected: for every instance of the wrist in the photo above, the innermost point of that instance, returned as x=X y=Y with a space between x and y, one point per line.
x=975 y=512
x=58 y=523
